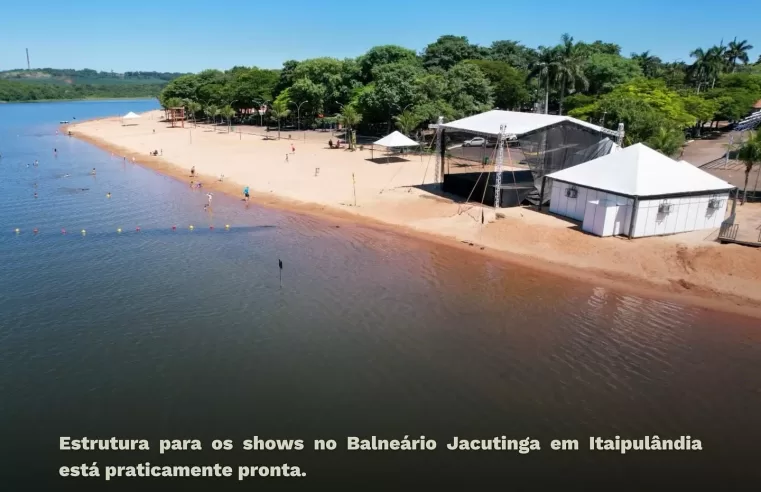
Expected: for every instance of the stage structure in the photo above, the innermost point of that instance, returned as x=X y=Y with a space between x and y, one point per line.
x=500 y=157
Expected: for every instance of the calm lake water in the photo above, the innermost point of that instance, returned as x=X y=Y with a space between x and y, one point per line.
x=188 y=334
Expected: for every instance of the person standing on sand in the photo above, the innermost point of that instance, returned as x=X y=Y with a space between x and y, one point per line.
x=245 y=193
x=293 y=149
x=191 y=185
x=286 y=157
x=209 y=196
x=192 y=171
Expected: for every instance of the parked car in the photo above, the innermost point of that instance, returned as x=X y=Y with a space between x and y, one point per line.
x=475 y=142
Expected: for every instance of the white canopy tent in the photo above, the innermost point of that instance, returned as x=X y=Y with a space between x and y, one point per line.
x=610 y=193
x=516 y=123
x=394 y=140
x=130 y=116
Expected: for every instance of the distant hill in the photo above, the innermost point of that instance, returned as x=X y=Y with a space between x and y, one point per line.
x=86 y=76
x=53 y=83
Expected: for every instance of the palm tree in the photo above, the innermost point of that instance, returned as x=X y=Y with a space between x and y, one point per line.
x=279 y=110
x=227 y=112
x=707 y=66
x=666 y=141
x=647 y=62
x=750 y=154
x=544 y=70
x=737 y=51
x=212 y=112
x=350 y=117
x=193 y=107
x=570 y=67
x=407 y=121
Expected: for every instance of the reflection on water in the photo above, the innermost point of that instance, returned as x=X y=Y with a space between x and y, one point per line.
x=186 y=333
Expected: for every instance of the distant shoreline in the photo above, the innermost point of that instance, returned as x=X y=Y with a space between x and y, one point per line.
x=84 y=99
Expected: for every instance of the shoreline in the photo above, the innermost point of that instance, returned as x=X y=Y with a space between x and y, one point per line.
x=678 y=290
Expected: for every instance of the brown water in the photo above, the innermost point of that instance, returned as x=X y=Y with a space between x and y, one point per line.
x=179 y=334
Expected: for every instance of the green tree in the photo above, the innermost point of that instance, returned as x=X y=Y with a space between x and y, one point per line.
x=468 y=90
x=350 y=118
x=508 y=83
x=407 y=121
x=513 y=53
x=649 y=64
x=605 y=72
x=570 y=67
x=737 y=51
x=211 y=112
x=544 y=71
x=173 y=102
x=227 y=112
x=701 y=108
x=667 y=141
x=707 y=66
x=450 y=50
x=384 y=55
x=750 y=154
x=184 y=87
x=279 y=110
x=193 y=108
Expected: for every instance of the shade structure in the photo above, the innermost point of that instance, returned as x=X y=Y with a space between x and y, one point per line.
x=515 y=122
x=130 y=116
x=396 y=139
x=639 y=171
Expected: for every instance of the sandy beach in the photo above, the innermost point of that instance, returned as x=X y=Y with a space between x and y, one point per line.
x=346 y=186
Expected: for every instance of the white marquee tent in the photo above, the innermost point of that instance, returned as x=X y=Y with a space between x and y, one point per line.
x=395 y=140
x=130 y=116
x=516 y=123
x=638 y=192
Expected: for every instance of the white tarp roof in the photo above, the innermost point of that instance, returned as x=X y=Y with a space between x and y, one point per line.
x=516 y=123
x=396 y=139
x=130 y=116
x=640 y=171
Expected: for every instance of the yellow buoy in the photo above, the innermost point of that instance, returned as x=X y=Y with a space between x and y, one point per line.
x=18 y=230
x=227 y=226
x=119 y=230
x=191 y=228
x=84 y=232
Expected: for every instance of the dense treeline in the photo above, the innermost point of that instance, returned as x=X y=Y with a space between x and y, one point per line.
x=21 y=91
x=86 y=76
x=395 y=86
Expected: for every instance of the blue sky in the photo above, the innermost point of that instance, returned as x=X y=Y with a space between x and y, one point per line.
x=148 y=35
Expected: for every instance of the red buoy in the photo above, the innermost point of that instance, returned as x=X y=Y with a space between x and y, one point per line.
x=63 y=231
x=174 y=228
x=137 y=228
x=211 y=227
x=35 y=230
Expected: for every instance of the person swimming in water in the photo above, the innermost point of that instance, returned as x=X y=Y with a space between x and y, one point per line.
x=92 y=173
x=35 y=194
x=65 y=175
x=108 y=195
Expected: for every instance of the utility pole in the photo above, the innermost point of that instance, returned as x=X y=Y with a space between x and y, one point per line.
x=28 y=65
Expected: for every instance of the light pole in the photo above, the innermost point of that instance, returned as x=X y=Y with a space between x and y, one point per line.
x=298 y=114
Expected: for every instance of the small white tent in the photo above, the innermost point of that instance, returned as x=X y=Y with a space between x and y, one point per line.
x=396 y=139
x=638 y=192
x=393 y=141
x=129 y=116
